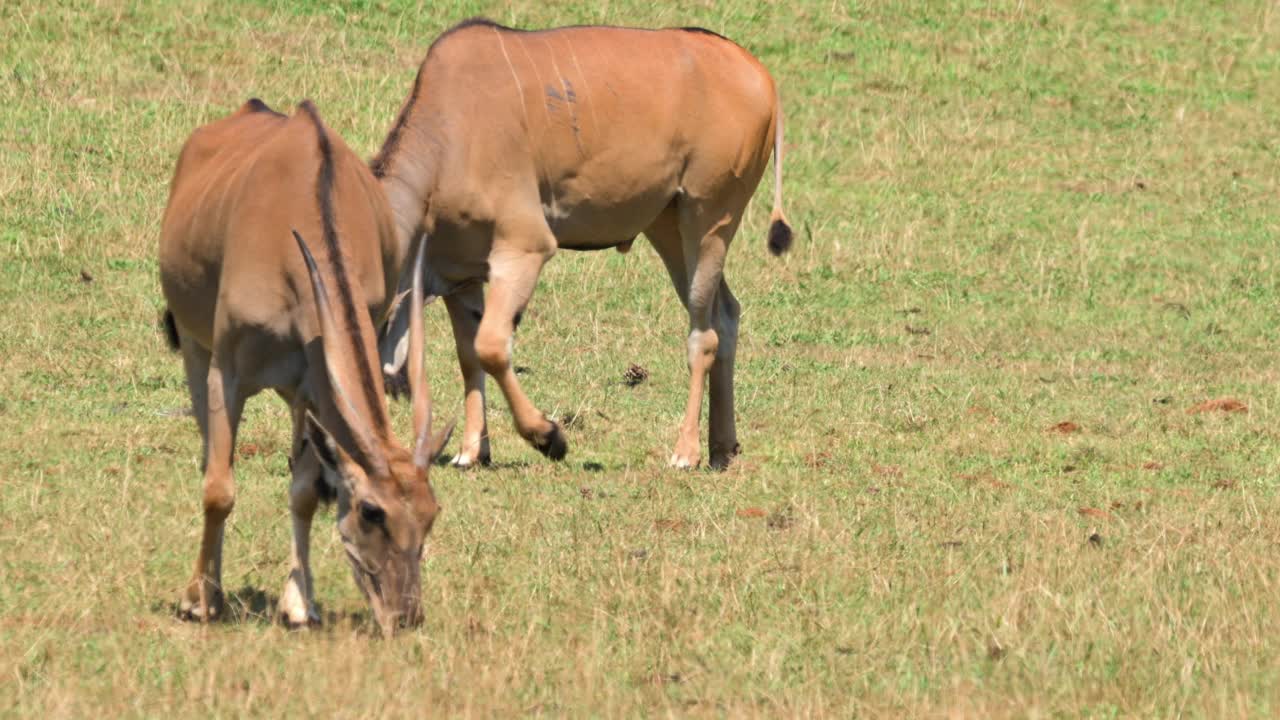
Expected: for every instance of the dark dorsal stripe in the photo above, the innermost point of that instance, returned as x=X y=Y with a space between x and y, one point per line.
x=324 y=197
x=382 y=161
x=471 y=22
x=704 y=31
x=486 y=22
x=256 y=105
x=378 y=165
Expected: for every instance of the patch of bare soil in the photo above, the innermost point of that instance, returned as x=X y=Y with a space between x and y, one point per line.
x=817 y=460
x=889 y=471
x=1226 y=405
x=1094 y=512
x=978 y=412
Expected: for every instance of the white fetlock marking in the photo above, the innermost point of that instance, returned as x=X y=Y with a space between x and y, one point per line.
x=680 y=463
x=462 y=461
x=195 y=610
x=398 y=357
x=293 y=604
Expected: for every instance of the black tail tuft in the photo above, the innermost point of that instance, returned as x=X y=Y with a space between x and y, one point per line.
x=170 y=331
x=779 y=237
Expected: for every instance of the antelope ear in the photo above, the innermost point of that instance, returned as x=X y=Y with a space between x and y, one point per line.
x=390 y=313
x=440 y=439
x=322 y=444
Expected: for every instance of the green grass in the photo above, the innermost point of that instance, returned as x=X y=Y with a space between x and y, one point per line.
x=1009 y=215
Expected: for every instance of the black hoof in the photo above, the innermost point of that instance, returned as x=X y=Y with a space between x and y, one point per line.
x=721 y=460
x=397 y=386
x=553 y=445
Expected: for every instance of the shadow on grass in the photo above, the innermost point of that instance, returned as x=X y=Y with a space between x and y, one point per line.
x=447 y=462
x=246 y=606
x=590 y=466
x=251 y=606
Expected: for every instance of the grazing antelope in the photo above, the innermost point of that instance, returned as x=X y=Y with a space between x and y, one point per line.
x=514 y=144
x=251 y=308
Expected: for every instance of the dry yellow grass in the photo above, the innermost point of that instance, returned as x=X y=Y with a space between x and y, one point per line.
x=1009 y=216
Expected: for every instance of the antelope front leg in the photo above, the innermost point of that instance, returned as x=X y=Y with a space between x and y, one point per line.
x=203 y=599
x=466 y=306
x=297 y=602
x=512 y=278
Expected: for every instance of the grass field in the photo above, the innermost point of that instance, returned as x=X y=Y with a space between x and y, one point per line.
x=1032 y=240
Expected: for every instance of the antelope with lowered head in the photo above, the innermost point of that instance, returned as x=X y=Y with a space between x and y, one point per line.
x=251 y=308
x=514 y=144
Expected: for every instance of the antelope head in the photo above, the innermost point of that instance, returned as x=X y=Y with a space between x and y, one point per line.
x=386 y=506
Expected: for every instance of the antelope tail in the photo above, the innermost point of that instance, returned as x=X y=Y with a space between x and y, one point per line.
x=779 y=230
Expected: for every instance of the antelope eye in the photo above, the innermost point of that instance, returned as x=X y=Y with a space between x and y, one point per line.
x=371 y=513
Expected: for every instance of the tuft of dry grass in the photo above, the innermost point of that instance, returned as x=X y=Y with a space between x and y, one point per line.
x=1029 y=237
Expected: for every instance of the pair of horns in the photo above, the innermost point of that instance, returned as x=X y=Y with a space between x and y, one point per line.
x=340 y=364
